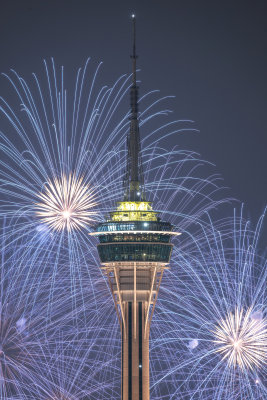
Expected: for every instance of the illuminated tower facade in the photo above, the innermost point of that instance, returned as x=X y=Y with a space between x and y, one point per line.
x=135 y=249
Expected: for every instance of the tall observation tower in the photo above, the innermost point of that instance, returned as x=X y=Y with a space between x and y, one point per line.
x=134 y=250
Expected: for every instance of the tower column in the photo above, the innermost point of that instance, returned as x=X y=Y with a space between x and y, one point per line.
x=135 y=353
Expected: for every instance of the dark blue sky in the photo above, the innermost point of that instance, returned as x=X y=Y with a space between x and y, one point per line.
x=211 y=54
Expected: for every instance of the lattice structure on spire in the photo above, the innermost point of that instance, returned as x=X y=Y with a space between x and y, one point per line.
x=134 y=180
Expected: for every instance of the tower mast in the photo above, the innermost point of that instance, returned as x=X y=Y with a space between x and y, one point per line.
x=134 y=181
x=135 y=248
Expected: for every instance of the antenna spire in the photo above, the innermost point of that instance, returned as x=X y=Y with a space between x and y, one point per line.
x=134 y=56
x=134 y=182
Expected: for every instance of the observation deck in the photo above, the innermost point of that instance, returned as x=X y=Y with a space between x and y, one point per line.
x=134 y=232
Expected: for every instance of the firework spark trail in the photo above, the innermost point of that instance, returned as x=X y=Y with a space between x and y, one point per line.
x=22 y=326
x=74 y=372
x=53 y=144
x=220 y=273
x=50 y=349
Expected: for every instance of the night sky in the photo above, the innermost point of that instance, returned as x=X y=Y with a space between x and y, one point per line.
x=212 y=55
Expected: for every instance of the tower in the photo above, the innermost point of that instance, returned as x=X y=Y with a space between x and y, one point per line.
x=135 y=248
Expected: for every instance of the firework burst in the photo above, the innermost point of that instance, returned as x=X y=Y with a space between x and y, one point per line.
x=66 y=203
x=62 y=163
x=209 y=330
x=242 y=339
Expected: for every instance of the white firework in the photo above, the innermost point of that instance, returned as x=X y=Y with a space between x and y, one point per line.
x=242 y=340
x=67 y=203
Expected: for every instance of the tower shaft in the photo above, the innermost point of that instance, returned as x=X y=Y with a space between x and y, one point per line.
x=135 y=354
x=135 y=288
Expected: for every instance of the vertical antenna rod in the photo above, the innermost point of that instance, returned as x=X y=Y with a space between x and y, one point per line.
x=133 y=182
x=134 y=88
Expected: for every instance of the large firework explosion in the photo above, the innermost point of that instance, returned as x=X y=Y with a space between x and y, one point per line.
x=47 y=143
x=209 y=336
x=62 y=164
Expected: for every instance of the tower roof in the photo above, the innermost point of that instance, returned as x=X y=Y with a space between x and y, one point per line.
x=134 y=181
